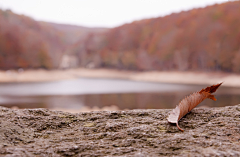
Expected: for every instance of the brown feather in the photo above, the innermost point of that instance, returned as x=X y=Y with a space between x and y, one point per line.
x=190 y=102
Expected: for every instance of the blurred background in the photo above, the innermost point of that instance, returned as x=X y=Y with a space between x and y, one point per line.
x=51 y=51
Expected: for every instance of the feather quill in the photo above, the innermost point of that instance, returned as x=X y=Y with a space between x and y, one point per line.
x=191 y=101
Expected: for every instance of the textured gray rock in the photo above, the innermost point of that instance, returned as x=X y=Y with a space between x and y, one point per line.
x=40 y=132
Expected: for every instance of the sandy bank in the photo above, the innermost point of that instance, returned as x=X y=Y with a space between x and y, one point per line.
x=232 y=80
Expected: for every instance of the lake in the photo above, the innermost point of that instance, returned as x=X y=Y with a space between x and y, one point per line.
x=125 y=94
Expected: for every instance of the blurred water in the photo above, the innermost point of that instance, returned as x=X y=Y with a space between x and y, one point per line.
x=86 y=86
x=74 y=94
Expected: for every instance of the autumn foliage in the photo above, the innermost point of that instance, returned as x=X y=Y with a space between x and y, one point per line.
x=204 y=39
x=26 y=43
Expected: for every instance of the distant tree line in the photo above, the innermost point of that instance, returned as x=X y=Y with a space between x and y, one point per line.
x=26 y=43
x=205 y=39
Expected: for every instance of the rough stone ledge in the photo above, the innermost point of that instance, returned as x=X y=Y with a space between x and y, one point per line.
x=40 y=132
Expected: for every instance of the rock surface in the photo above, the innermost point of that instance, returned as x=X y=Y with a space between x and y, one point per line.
x=40 y=132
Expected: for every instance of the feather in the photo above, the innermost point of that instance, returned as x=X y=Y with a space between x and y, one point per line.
x=191 y=101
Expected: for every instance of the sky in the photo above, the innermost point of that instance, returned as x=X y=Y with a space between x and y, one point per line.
x=100 y=13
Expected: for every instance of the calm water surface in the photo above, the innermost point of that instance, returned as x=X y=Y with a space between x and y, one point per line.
x=75 y=94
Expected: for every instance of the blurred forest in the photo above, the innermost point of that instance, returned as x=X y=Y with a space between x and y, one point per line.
x=26 y=43
x=204 y=39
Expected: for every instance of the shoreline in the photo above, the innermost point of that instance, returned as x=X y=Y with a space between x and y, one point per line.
x=197 y=78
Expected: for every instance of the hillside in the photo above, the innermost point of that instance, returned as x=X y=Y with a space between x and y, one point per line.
x=205 y=39
x=72 y=33
x=26 y=43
